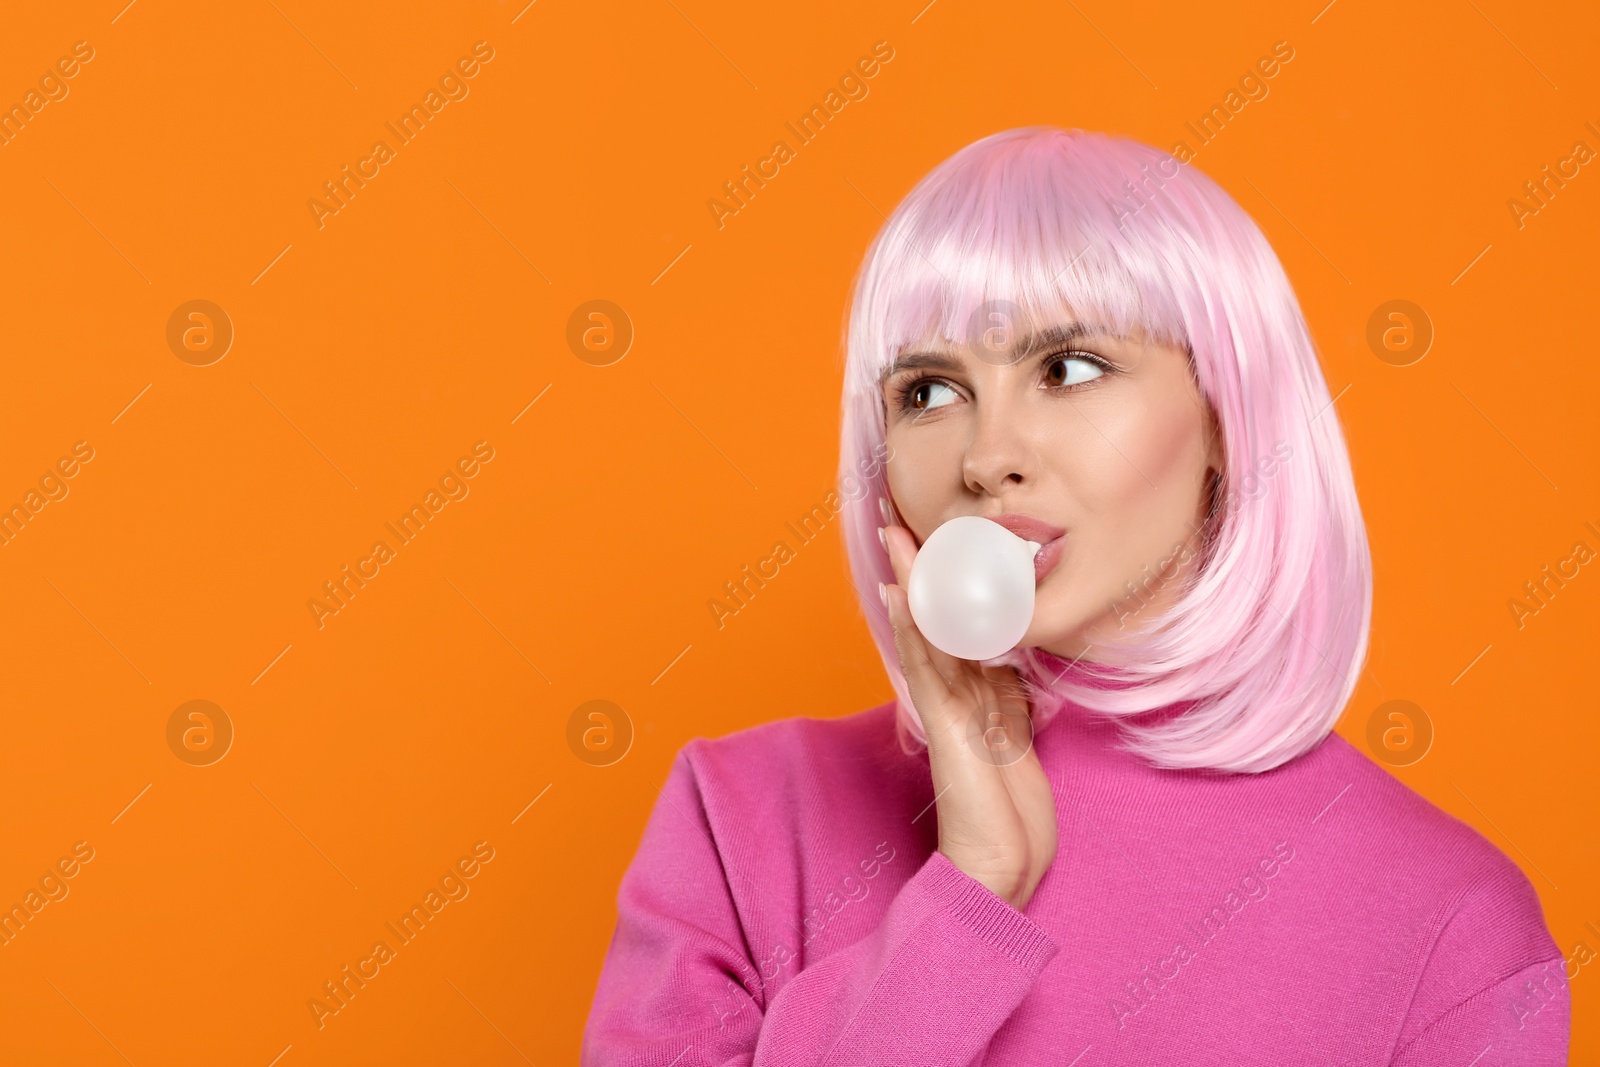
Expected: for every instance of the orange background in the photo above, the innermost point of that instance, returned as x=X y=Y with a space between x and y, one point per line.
x=429 y=312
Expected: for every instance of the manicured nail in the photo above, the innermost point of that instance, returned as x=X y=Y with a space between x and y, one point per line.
x=883 y=539
x=886 y=511
x=883 y=594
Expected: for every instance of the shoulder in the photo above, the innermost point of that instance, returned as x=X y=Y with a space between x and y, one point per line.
x=1410 y=848
x=1396 y=819
x=794 y=745
x=804 y=759
x=1474 y=925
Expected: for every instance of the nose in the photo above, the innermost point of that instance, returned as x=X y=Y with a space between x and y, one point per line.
x=1001 y=452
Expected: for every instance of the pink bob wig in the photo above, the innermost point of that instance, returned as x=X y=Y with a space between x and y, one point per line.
x=1261 y=648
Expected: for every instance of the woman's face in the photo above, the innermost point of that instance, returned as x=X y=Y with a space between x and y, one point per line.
x=1107 y=438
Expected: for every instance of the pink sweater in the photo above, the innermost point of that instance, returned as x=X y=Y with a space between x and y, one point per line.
x=787 y=906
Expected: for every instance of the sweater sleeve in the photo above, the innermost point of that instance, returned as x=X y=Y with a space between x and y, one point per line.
x=1494 y=979
x=947 y=963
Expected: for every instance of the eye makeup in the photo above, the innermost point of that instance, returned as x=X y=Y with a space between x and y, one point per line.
x=903 y=391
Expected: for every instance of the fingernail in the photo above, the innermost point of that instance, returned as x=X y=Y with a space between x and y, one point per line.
x=883 y=539
x=886 y=511
x=883 y=594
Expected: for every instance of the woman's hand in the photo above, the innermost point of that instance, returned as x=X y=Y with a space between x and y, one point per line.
x=997 y=816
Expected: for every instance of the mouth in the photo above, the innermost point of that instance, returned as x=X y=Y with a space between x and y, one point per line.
x=1051 y=538
x=1047 y=558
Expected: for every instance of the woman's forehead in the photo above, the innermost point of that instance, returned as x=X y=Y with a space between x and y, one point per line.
x=1016 y=332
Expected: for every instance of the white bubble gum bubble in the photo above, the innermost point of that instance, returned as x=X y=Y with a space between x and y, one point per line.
x=971 y=588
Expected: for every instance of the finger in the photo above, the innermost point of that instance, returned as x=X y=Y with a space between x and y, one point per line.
x=971 y=794
x=1007 y=683
x=930 y=687
x=940 y=695
x=902 y=548
x=918 y=655
x=1032 y=793
x=1015 y=706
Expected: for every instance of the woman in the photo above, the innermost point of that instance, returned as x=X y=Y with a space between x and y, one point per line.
x=1136 y=838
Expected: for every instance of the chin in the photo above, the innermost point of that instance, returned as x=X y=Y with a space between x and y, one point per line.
x=1056 y=624
x=1046 y=636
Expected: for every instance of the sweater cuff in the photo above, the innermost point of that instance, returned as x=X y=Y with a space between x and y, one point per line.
x=992 y=920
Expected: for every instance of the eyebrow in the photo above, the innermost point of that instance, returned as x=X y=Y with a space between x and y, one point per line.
x=1046 y=338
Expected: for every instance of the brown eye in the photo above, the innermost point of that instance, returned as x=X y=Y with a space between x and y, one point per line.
x=927 y=395
x=1068 y=371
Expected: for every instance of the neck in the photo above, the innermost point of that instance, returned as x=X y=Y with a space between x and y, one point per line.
x=1059 y=672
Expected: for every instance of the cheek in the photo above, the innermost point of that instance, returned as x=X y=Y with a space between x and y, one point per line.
x=924 y=477
x=1131 y=462
x=1137 y=474
x=1163 y=447
x=1140 y=459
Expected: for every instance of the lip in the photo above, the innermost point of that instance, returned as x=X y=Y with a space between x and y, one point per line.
x=1047 y=557
x=1029 y=528
x=1053 y=538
